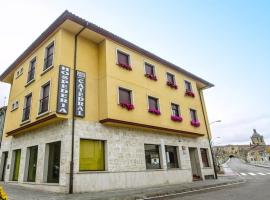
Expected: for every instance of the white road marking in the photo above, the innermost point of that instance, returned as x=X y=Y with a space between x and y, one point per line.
x=252 y=174
x=243 y=174
x=268 y=173
x=262 y=174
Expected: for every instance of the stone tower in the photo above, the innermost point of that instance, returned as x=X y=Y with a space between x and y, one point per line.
x=257 y=139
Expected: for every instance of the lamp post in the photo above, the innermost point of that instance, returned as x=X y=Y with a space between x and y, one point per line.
x=210 y=144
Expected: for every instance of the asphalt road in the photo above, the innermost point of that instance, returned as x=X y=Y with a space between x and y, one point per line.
x=257 y=186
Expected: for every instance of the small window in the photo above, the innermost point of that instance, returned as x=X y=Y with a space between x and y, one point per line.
x=19 y=72
x=152 y=156
x=27 y=107
x=193 y=115
x=153 y=103
x=123 y=58
x=44 y=101
x=92 y=155
x=48 y=61
x=31 y=72
x=205 y=160
x=188 y=86
x=15 y=105
x=150 y=71
x=175 y=110
x=171 y=156
x=170 y=78
x=125 y=96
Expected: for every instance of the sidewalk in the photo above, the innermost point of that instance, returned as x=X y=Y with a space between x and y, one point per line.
x=16 y=192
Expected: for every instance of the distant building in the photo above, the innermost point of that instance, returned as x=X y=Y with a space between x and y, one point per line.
x=256 y=152
x=2 y=121
x=257 y=139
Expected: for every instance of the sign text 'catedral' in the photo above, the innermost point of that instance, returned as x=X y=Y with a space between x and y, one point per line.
x=80 y=93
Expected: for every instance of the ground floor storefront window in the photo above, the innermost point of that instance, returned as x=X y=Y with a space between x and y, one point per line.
x=54 y=162
x=16 y=164
x=32 y=164
x=171 y=156
x=205 y=159
x=92 y=155
x=152 y=156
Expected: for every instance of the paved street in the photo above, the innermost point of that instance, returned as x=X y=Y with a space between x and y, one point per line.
x=256 y=188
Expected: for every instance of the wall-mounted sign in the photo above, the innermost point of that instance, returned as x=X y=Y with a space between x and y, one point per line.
x=80 y=94
x=63 y=90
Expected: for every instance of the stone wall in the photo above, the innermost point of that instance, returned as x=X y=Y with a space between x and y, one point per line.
x=124 y=157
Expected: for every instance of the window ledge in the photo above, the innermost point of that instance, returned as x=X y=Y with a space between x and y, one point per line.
x=14 y=109
x=25 y=122
x=149 y=170
x=46 y=70
x=91 y=172
x=43 y=114
x=28 y=83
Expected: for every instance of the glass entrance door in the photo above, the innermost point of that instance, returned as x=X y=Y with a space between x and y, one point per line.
x=54 y=162
x=16 y=167
x=32 y=166
x=4 y=160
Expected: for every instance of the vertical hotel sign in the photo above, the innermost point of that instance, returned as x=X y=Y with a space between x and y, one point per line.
x=80 y=94
x=63 y=89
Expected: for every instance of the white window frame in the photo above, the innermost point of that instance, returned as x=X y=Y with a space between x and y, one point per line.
x=123 y=52
x=45 y=55
x=118 y=94
x=40 y=97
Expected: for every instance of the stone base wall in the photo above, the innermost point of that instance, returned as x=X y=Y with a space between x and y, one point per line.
x=124 y=157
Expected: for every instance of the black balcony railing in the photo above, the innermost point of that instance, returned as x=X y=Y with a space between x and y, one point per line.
x=26 y=113
x=44 y=105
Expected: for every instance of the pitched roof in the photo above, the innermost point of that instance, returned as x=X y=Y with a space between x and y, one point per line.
x=66 y=15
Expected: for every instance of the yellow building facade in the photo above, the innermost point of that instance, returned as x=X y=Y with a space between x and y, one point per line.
x=124 y=111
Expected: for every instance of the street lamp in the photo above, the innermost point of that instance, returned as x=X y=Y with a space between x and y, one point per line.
x=217 y=121
x=210 y=144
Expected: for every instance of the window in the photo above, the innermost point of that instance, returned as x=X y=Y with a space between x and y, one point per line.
x=124 y=96
x=32 y=163
x=153 y=105
x=204 y=154
x=54 y=151
x=171 y=156
x=171 y=81
x=152 y=156
x=31 y=72
x=19 y=72
x=150 y=71
x=15 y=105
x=16 y=164
x=44 y=101
x=125 y=99
x=188 y=86
x=48 y=61
x=92 y=155
x=27 y=107
x=193 y=115
x=170 y=78
x=122 y=58
x=175 y=110
x=194 y=119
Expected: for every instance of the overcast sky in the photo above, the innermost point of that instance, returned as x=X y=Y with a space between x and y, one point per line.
x=226 y=42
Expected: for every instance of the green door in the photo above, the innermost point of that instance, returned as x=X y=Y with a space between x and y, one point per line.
x=16 y=167
x=54 y=162
x=32 y=166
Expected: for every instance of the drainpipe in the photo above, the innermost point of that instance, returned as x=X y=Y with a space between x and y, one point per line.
x=73 y=112
x=208 y=135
